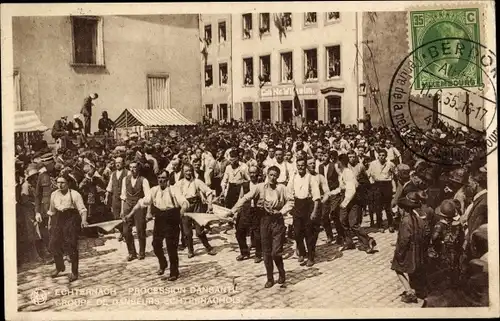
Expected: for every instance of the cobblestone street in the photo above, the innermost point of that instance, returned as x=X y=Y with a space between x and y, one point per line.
x=355 y=280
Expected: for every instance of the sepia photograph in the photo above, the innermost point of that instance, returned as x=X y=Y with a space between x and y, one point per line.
x=235 y=161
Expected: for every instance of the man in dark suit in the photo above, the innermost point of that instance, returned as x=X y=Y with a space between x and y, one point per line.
x=331 y=205
x=477 y=212
x=86 y=111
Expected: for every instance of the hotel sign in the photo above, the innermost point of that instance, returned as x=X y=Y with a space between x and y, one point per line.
x=287 y=91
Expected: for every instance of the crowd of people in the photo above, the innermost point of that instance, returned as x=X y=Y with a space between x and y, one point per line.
x=325 y=176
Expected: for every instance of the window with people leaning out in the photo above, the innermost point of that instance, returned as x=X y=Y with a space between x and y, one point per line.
x=223 y=74
x=333 y=61
x=332 y=16
x=264 y=24
x=311 y=65
x=209 y=77
x=310 y=19
x=286 y=67
x=247 y=25
x=222 y=32
x=248 y=71
x=265 y=70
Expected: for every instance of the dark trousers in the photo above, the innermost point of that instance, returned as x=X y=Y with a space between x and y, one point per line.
x=248 y=223
x=139 y=221
x=167 y=227
x=329 y=211
x=187 y=228
x=305 y=229
x=273 y=236
x=65 y=227
x=86 y=124
x=350 y=217
x=233 y=194
x=383 y=202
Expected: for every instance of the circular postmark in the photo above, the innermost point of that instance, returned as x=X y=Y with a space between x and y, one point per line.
x=38 y=296
x=448 y=80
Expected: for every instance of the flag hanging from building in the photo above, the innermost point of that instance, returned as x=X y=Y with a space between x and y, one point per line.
x=297 y=107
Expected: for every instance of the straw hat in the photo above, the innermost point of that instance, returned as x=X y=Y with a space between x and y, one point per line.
x=31 y=171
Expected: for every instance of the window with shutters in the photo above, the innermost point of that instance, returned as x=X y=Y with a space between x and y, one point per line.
x=311 y=65
x=222 y=32
x=333 y=62
x=17 y=90
x=247 y=25
x=209 y=77
x=158 y=91
x=88 y=44
x=286 y=67
x=248 y=71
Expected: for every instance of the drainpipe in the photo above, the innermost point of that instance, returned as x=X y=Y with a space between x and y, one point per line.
x=360 y=125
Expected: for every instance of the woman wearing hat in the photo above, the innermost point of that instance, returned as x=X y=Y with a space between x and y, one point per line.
x=409 y=255
x=448 y=238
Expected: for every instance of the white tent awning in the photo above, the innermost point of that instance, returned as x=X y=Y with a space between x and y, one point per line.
x=152 y=117
x=27 y=121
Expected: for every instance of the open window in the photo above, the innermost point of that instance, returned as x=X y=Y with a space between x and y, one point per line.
x=332 y=16
x=209 y=110
x=286 y=67
x=248 y=71
x=88 y=44
x=287 y=20
x=264 y=24
x=247 y=25
x=311 y=65
x=222 y=32
x=208 y=34
x=223 y=76
x=310 y=19
x=265 y=70
x=209 y=77
x=333 y=61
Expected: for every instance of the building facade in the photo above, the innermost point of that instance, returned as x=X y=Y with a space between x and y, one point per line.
x=130 y=61
x=216 y=65
x=312 y=53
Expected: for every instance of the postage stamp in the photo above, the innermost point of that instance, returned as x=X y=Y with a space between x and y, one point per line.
x=451 y=71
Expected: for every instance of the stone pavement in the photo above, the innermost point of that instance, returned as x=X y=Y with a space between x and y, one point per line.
x=108 y=283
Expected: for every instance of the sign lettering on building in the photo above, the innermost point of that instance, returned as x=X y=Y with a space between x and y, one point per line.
x=286 y=91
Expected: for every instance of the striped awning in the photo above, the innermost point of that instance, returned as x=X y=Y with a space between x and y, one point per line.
x=152 y=117
x=27 y=121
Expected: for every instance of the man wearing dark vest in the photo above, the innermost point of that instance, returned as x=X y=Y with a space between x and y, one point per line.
x=330 y=207
x=234 y=176
x=86 y=111
x=114 y=190
x=248 y=222
x=167 y=206
x=134 y=188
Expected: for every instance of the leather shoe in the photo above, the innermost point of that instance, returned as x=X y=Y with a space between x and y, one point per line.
x=211 y=252
x=172 y=278
x=131 y=258
x=301 y=259
x=391 y=229
x=348 y=247
x=269 y=284
x=372 y=244
x=55 y=273
x=142 y=256
x=310 y=263
x=190 y=255
x=181 y=247
x=73 y=277
x=160 y=271
x=257 y=259
x=281 y=279
x=242 y=257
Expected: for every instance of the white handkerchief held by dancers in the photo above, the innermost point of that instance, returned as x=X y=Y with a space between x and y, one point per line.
x=220 y=214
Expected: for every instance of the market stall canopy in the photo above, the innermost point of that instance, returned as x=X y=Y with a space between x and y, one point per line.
x=28 y=121
x=152 y=117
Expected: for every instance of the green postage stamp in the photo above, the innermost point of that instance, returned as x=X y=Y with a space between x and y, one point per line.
x=446 y=48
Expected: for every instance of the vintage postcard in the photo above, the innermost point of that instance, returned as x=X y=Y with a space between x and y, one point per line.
x=250 y=160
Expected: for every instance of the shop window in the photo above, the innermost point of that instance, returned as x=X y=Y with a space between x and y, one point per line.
x=265 y=70
x=286 y=67
x=248 y=71
x=209 y=110
x=248 y=110
x=334 y=106
x=265 y=111
x=311 y=109
x=223 y=111
x=264 y=24
x=333 y=61
x=287 y=111
x=332 y=16
x=223 y=74
x=311 y=65
x=209 y=77
x=222 y=32
x=310 y=19
x=247 y=26
x=208 y=34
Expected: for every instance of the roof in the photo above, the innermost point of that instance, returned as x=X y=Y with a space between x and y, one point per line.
x=152 y=117
x=27 y=121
